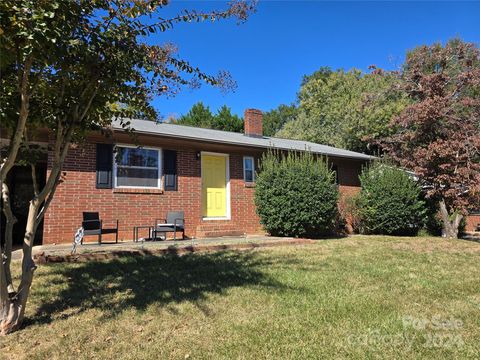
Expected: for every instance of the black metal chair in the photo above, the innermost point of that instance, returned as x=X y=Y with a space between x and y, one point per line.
x=174 y=222
x=92 y=225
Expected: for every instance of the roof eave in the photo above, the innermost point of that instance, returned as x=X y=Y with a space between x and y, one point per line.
x=363 y=157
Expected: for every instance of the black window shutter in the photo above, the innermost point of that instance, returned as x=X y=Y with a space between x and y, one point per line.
x=104 y=166
x=170 y=170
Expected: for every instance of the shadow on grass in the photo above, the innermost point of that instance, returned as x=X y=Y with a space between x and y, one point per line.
x=473 y=238
x=137 y=282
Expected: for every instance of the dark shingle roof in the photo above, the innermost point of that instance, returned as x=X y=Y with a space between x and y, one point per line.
x=233 y=138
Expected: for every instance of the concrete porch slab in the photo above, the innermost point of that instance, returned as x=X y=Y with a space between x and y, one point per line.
x=93 y=251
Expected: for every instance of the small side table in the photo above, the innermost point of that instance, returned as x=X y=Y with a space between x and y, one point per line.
x=136 y=228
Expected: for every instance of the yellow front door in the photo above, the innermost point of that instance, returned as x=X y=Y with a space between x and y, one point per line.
x=214 y=185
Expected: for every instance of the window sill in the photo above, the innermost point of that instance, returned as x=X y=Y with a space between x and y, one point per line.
x=137 y=191
x=249 y=184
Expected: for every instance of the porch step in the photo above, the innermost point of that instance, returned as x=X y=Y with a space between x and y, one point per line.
x=218 y=230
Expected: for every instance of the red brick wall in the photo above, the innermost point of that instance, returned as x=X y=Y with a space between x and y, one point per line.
x=349 y=185
x=253 y=122
x=141 y=207
x=138 y=207
x=472 y=221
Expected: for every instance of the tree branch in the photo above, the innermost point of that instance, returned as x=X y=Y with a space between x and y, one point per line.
x=47 y=201
x=61 y=148
x=36 y=80
x=89 y=102
x=21 y=123
x=34 y=180
x=187 y=16
x=58 y=162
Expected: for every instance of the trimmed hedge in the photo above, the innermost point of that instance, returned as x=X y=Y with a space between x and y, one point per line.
x=389 y=202
x=296 y=195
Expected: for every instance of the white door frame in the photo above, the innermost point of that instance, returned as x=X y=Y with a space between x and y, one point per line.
x=227 y=170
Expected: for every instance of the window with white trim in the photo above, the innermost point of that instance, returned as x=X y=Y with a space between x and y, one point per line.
x=137 y=167
x=248 y=169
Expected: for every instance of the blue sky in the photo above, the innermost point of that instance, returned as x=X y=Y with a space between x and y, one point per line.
x=284 y=40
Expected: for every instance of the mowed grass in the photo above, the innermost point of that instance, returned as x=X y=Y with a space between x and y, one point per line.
x=360 y=297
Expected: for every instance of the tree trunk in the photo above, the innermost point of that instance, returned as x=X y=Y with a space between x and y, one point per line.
x=450 y=224
x=9 y=223
x=14 y=305
x=3 y=292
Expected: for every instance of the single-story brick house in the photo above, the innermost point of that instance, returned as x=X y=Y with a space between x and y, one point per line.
x=209 y=174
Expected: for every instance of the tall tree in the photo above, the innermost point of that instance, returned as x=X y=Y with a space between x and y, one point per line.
x=201 y=116
x=438 y=137
x=346 y=109
x=321 y=74
x=225 y=120
x=69 y=66
x=198 y=116
x=275 y=119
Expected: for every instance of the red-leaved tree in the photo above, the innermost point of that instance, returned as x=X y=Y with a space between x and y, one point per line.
x=438 y=136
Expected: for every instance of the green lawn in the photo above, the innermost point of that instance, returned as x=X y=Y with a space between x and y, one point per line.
x=361 y=297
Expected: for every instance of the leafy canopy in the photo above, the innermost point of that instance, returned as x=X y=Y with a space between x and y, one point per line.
x=345 y=109
x=275 y=119
x=438 y=136
x=201 y=116
x=90 y=60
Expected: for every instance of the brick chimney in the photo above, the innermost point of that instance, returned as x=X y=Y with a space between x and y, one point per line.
x=253 y=123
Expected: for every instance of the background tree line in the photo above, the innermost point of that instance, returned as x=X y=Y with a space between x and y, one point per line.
x=201 y=116
x=345 y=109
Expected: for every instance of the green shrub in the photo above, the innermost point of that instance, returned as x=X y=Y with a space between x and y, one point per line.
x=389 y=202
x=296 y=195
